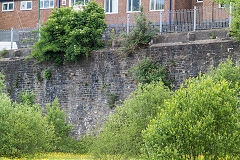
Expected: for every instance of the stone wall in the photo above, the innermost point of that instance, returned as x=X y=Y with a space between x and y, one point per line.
x=85 y=88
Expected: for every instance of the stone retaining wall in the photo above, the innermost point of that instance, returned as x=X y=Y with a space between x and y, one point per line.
x=84 y=89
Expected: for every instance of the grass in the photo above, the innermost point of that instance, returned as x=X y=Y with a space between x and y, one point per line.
x=70 y=156
x=54 y=156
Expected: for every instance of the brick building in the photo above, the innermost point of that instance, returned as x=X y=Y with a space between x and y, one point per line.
x=24 y=13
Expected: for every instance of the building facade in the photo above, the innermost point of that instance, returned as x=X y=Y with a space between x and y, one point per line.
x=24 y=13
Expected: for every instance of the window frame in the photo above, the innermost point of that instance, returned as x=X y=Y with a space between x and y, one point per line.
x=70 y=3
x=199 y=1
x=49 y=4
x=7 y=6
x=25 y=9
x=65 y=2
x=155 y=5
x=109 y=7
x=131 y=11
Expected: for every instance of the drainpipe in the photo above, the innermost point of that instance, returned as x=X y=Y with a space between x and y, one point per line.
x=59 y=1
x=170 y=11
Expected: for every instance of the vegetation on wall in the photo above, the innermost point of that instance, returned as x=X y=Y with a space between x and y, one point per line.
x=47 y=74
x=140 y=36
x=69 y=35
x=149 y=70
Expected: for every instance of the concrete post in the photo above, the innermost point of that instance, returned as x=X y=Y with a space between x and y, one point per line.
x=230 y=15
x=128 y=23
x=195 y=19
x=11 y=38
x=161 y=22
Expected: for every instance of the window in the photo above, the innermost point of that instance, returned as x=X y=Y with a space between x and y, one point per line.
x=111 y=6
x=81 y=2
x=64 y=2
x=133 y=5
x=26 y=5
x=45 y=4
x=199 y=0
x=156 y=5
x=9 y=6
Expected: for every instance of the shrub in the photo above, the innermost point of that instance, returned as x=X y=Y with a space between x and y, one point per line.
x=26 y=97
x=47 y=74
x=148 y=70
x=201 y=119
x=121 y=134
x=68 y=35
x=226 y=71
x=140 y=36
x=23 y=128
x=57 y=118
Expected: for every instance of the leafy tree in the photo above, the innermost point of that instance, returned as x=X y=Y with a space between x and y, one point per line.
x=68 y=34
x=23 y=128
x=121 y=133
x=201 y=119
x=235 y=26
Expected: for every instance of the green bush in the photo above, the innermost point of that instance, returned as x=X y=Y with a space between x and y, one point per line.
x=26 y=97
x=68 y=35
x=226 y=71
x=140 y=36
x=23 y=128
x=201 y=119
x=121 y=134
x=47 y=74
x=148 y=70
x=57 y=118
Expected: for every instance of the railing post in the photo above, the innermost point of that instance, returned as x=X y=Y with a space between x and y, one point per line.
x=128 y=23
x=230 y=15
x=195 y=19
x=39 y=34
x=11 y=38
x=161 y=22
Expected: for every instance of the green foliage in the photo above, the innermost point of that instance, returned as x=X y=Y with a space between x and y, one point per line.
x=121 y=133
x=140 y=36
x=201 y=119
x=57 y=118
x=39 y=76
x=3 y=53
x=26 y=97
x=68 y=35
x=47 y=74
x=23 y=128
x=235 y=25
x=226 y=71
x=148 y=70
x=112 y=99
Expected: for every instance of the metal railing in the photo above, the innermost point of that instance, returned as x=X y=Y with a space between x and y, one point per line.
x=199 y=18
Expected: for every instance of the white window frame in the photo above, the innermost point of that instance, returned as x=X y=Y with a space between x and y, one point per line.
x=26 y=5
x=71 y=5
x=132 y=6
x=109 y=7
x=155 y=6
x=64 y=2
x=49 y=4
x=199 y=1
x=7 y=6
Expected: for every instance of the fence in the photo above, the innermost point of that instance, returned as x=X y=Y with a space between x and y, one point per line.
x=199 y=18
x=20 y=37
